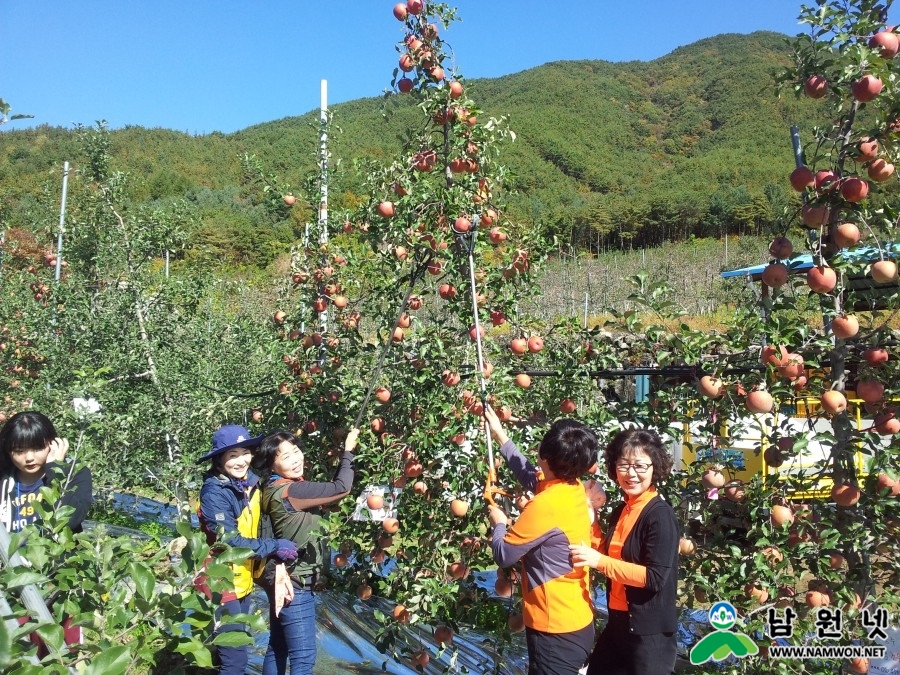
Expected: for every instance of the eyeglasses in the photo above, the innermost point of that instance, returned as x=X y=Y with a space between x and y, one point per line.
x=638 y=468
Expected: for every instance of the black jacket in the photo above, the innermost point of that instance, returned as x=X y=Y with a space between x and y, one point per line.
x=653 y=542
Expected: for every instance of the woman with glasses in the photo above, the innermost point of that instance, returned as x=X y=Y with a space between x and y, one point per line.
x=294 y=504
x=639 y=557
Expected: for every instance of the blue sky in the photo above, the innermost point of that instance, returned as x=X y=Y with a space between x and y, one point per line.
x=200 y=66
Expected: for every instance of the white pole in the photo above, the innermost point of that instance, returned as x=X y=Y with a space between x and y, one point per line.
x=323 y=163
x=167 y=263
x=323 y=188
x=62 y=220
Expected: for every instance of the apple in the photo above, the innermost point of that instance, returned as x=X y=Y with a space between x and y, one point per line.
x=866 y=149
x=523 y=380
x=866 y=88
x=884 y=271
x=462 y=224
x=879 y=170
x=443 y=635
x=414 y=7
x=476 y=332
x=279 y=316
x=775 y=275
x=814 y=216
x=854 y=189
x=712 y=478
x=458 y=570
x=821 y=279
x=845 y=326
x=887 y=423
x=567 y=406
x=459 y=508
x=447 y=291
x=488 y=218
x=711 y=386
x=535 y=344
x=435 y=267
x=450 y=378
x=386 y=209
x=833 y=402
x=406 y=63
x=791 y=367
x=415 y=303
x=825 y=180
x=257 y=416
x=870 y=390
x=886 y=42
x=436 y=73
x=518 y=345
x=375 y=502
x=405 y=85
x=759 y=401
x=846 y=235
x=686 y=546
x=815 y=86
x=781 y=515
x=289 y=199
x=845 y=494
x=383 y=394
x=498 y=318
x=781 y=248
x=456 y=90
x=496 y=235
x=875 y=356
x=390 y=525
x=801 y=178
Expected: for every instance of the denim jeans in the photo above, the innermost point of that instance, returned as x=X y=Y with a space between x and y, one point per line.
x=292 y=634
x=233 y=660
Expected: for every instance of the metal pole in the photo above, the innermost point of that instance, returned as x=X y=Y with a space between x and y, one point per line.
x=62 y=221
x=167 y=263
x=795 y=142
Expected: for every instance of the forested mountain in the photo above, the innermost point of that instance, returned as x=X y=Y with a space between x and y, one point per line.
x=606 y=154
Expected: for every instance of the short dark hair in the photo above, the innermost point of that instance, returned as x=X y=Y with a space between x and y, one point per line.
x=629 y=440
x=569 y=448
x=264 y=454
x=27 y=430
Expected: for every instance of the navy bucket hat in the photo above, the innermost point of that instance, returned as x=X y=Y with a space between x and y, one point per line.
x=229 y=437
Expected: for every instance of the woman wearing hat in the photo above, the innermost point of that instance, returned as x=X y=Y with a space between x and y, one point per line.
x=229 y=511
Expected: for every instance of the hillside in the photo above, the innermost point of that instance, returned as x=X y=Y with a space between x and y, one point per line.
x=607 y=155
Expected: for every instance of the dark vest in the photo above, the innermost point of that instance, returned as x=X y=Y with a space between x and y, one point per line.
x=301 y=527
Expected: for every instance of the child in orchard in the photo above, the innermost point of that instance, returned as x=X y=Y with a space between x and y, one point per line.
x=295 y=505
x=32 y=456
x=229 y=511
x=556 y=599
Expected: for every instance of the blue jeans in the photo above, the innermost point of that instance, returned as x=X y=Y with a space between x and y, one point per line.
x=292 y=634
x=233 y=660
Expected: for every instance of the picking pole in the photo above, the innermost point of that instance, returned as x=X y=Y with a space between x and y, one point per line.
x=468 y=239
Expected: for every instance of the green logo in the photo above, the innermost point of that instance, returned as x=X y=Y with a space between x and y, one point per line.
x=722 y=642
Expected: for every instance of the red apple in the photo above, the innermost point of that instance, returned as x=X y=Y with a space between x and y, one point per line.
x=535 y=344
x=775 y=274
x=875 y=356
x=801 y=178
x=879 y=170
x=854 y=189
x=866 y=88
x=456 y=90
x=886 y=43
x=814 y=216
x=846 y=235
x=815 y=86
x=821 y=279
x=518 y=345
x=405 y=85
x=781 y=248
x=386 y=209
x=400 y=11
x=884 y=271
x=845 y=326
